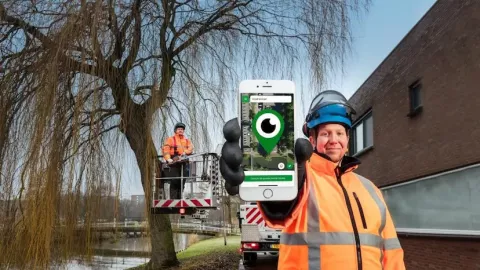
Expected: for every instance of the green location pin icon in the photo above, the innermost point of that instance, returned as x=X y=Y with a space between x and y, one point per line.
x=268 y=126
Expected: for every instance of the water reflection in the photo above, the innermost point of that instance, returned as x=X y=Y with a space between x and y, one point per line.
x=105 y=262
x=180 y=240
x=129 y=244
x=133 y=244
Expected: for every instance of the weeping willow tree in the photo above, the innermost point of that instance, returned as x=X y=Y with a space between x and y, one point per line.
x=77 y=77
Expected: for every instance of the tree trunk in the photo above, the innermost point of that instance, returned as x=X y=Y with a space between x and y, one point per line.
x=229 y=207
x=163 y=249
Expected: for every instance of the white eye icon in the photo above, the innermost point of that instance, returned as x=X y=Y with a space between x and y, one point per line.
x=268 y=125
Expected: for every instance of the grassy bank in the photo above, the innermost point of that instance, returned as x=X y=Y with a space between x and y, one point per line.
x=210 y=254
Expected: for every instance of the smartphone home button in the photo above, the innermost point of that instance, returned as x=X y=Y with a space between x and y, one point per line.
x=267 y=193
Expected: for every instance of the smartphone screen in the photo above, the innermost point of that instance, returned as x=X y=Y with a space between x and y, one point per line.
x=267 y=122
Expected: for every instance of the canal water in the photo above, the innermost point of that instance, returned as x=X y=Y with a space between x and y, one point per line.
x=126 y=244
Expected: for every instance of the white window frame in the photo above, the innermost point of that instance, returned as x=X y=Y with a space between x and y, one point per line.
x=433 y=231
x=358 y=133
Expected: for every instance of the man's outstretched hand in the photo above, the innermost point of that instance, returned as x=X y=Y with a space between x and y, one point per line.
x=232 y=156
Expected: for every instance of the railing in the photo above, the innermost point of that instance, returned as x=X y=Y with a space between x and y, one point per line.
x=176 y=227
x=207 y=227
x=202 y=171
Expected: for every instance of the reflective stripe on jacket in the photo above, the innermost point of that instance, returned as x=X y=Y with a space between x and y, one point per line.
x=340 y=222
x=176 y=145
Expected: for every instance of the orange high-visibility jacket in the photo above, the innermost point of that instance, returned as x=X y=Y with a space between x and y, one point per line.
x=177 y=145
x=339 y=220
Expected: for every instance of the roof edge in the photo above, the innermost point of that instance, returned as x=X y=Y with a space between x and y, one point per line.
x=395 y=48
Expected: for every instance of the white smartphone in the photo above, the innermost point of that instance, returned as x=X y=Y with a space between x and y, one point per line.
x=267 y=115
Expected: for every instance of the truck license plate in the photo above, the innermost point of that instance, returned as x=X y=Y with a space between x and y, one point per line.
x=276 y=246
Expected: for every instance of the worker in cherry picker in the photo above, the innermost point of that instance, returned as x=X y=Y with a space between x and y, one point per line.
x=175 y=151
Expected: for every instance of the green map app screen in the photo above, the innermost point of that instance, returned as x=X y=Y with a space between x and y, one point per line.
x=267 y=122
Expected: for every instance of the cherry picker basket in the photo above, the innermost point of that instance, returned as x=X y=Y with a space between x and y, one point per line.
x=196 y=176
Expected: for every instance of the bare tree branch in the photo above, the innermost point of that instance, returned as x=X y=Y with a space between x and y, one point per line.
x=80 y=80
x=210 y=23
x=136 y=36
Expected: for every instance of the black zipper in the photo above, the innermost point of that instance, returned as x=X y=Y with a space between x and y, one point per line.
x=364 y=222
x=352 y=219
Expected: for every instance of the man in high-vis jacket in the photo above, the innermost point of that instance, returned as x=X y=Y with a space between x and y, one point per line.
x=339 y=219
x=175 y=147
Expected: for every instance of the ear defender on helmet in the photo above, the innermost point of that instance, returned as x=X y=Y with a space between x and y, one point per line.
x=305 y=129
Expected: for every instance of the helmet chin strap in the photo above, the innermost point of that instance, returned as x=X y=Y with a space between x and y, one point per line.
x=315 y=148
x=325 y=156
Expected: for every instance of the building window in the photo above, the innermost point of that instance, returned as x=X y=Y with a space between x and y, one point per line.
x=415 y=98
x=446 y=203
x=361 y=136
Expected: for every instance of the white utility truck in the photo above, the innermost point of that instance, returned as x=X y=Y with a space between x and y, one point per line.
x=256 y=237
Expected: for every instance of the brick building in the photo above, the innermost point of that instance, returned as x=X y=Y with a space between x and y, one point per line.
x=417 y=133
x=138 y=199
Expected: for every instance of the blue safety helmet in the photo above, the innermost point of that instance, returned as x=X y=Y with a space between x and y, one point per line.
x=328 y=106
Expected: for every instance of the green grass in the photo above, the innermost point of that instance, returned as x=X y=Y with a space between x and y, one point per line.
x=210 y=254
x=209 y=246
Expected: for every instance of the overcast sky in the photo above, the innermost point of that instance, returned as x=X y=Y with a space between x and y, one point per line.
x=376 y=35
